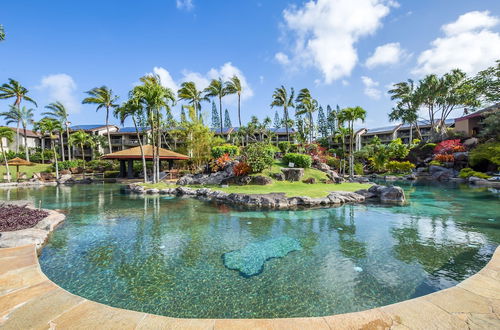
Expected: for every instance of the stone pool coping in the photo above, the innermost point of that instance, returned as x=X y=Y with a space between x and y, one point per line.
x=28 y=299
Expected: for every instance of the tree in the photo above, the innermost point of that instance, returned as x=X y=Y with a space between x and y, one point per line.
x=282 y=99
x=227 y=119
x=217 y=89
x=96 y=142
x=26 y=119
x=7 y=134
x=189 y=92
x=13 y=116
x=350 y=115
x=104 y=98
x=58 y=111
x=2 y=33
x=132 y=109
x=487 y=83
x=22 y=117
x=50 y=127
x=13 y=89
x=215 y=116
x=80 y=139
x=233 y=86
x=322 y=123
x=306 y=105
x=407 y=105
x=277 y=120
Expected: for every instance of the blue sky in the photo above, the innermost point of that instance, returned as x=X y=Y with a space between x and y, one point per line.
x=347 y=52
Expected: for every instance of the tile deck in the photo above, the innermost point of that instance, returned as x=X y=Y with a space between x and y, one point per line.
x=29 y=300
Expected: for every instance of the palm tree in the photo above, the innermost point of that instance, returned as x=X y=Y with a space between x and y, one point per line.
x=307 y=105
x=133 y=109
x=13 y=116
x=217 y=89
x=281 y=99
x=233 y=86
x=105 y=99
x=13 y=89
x=7 y=134
x=407 y=105
x=350 y=115
x=26 y=119
x=51 y=127
x=80 y=139
x=2 y=33
x=58 y=111
x=190 y=93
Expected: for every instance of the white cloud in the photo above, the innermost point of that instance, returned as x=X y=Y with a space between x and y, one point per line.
x=468 y=44
x=371 y=89
x=325 y=32
x=184 y=4
x=390 y=53
x=61 y=87
x=282 y=58
x=200 y=80
x=165 y=78
x=345 y=82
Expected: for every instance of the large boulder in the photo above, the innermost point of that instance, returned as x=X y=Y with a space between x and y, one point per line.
x=238 y=180
x=471 y=142
x=439 y=173
x=322 y=167
x=334 y=176
x=309 y=181
x=66 y=178
x=392 y=195
x=293 y=174
x=260 y=180
x=461 y=156
x=278 y=176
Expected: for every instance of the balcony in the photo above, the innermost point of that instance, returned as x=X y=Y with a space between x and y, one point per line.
x=131 y=142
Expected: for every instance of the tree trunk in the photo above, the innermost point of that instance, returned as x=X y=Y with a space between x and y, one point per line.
x=43 y=148
x=7 y=171
x=220 y=111
x=55 y=157
x=26 y=153
x=83 y=155
x=107 y=130
x=144 y=169
x=239 y=113
x=310 y=127
x=286 y=123
x=69 y=147
x=17 y=137
x=351 y=156
x=411 y=133
x=62 y=145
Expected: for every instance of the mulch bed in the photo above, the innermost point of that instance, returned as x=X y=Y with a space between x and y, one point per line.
x=16 y=217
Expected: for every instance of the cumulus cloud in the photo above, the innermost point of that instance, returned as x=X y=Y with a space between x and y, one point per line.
x=165 y=78
x=468 y=44
x=184 y=4
x=371 y=88
x=390 y=53
x=226 y=72
x=324 y=33
x=61 y=87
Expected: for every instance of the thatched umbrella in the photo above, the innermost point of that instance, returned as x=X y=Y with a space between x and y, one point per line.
x=19 y=162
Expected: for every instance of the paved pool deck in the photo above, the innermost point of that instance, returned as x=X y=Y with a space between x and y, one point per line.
x=29 y=300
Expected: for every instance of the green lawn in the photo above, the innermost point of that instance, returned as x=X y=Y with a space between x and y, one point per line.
x=29 y=170
x=308 y=172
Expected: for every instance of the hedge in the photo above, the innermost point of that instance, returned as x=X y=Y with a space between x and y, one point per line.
x=299 y=160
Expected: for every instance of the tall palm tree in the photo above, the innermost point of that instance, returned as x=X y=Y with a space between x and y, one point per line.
x=282 y=99
x=7 y=134
x=233 y=86
x=132 y=109
x=189 y=92
x=307 y=105
x=58 y=111
x=51 y=127
x=217 y=89
x=2 y=33
x=13 y=89
x=13 y=116
x=26 y=119
x=104 y=98
x=80 y=139
x=407 y=105
x=350 y=115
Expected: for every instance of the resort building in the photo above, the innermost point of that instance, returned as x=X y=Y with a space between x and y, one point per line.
x=32 y=140
x=470 y=125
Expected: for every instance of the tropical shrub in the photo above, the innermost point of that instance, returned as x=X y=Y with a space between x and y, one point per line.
x=317 y=153
x=299 y=160
x=467 y=172
x=242 y=168
x=358 y=169
x=486 y=156
x=218 y=164
x=111 y=174
x=399 y=167
x=259 y=156
x=284 y=146
x=47 y=154
x=449 y=147
x=397 y=149
x=444 y=158
x=435 y=163
x=101 y=165
x=333 y=162
x=67 y=164
x=229 y=149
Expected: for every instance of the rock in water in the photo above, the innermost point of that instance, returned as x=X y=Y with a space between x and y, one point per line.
x=250 y=259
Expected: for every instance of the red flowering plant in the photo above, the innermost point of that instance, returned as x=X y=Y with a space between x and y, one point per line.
x=318 y=153
x=242 y=168
x=444 y=158
x=218 y=164
x=449 y=147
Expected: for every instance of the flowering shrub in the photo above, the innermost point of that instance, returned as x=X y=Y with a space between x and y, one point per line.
x=317 y=153
x=242 y=168
x=444 y=158
x=259 y=156
x=221 y=162
x=448 y=147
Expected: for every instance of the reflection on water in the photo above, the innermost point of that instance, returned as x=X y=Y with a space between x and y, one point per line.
x=164 y=255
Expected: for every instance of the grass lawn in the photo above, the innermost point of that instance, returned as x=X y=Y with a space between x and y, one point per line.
x=29 y=170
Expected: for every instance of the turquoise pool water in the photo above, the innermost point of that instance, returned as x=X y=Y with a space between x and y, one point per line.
x=165 y=255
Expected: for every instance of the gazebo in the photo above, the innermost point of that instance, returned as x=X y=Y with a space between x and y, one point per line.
x=127 y=157
x=19 y=162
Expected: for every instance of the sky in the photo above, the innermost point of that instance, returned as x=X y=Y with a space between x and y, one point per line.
x=347 y=52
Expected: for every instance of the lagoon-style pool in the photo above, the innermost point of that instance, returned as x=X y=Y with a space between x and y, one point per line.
x=169 y=256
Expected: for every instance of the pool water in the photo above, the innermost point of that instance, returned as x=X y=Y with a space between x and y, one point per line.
x=164 y=255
